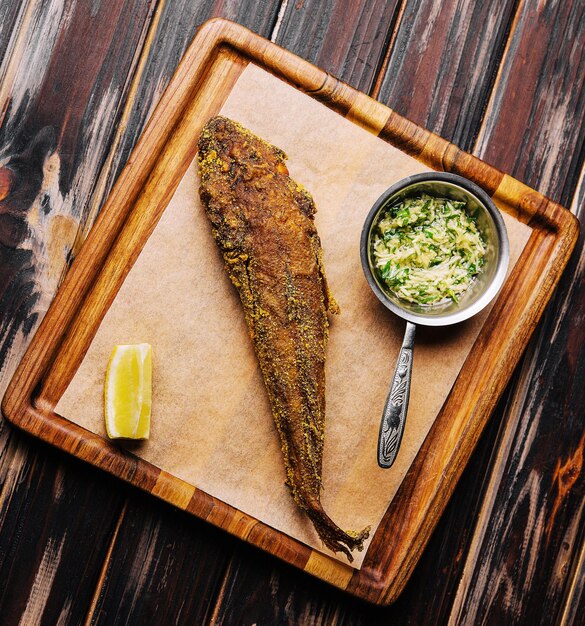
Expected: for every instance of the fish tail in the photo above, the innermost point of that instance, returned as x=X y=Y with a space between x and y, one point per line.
x=334 y=537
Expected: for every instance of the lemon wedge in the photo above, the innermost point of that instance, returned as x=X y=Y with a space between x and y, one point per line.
x=128 y=392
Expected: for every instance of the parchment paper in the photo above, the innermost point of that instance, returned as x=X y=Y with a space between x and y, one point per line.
x=211 y=421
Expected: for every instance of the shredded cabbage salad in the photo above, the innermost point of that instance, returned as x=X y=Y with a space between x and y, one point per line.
x=428 y=250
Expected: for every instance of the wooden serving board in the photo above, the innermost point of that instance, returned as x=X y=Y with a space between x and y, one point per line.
x=217 y=57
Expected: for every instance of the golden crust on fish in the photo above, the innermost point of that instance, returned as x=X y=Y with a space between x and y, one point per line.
x=263 y=224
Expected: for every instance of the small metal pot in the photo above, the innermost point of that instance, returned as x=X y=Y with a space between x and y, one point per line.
x=480 y=293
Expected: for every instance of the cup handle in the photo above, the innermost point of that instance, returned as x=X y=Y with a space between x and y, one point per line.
x=396 y=407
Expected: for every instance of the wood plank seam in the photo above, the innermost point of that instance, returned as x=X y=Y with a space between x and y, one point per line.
x=560 y=98
x=388 y=47
x=98 y=195
x=576 y=588
x=364 y=28
x=278 y=22
x=516 y=398
x=10 y=58
x=217 y=601
x=106 y=565
x=497 y=69
x=428 y=91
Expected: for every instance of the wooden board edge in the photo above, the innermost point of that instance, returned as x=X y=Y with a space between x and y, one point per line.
x=521 y=201
x=398 y=573
x=117 y=461
x=532 y=207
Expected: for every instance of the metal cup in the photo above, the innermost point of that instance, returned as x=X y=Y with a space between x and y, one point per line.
x=480 y=293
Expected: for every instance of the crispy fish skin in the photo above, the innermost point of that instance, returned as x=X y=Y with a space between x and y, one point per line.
x=263 y=223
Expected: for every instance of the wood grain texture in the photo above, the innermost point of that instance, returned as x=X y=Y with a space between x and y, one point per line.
x=454 y=534
x=52 y=149
x=175 y=24
x=11 y=13
x=541 y=45
x=535 y=505
x=428 y=595
x=535 y=121
x=50 y=562
x=266 y=591
x=348 y=40
x=574 y=598
x=164 y=568
x=443 y=62
x=202 y=82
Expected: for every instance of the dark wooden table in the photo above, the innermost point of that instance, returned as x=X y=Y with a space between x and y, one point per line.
x=503 y=79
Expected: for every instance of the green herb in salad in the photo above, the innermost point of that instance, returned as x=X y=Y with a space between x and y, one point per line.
x=428 y=250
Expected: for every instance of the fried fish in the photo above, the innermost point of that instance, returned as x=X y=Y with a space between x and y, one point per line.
x=263 y=223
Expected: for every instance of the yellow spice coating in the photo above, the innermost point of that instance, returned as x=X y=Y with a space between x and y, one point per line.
x=263 y=224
